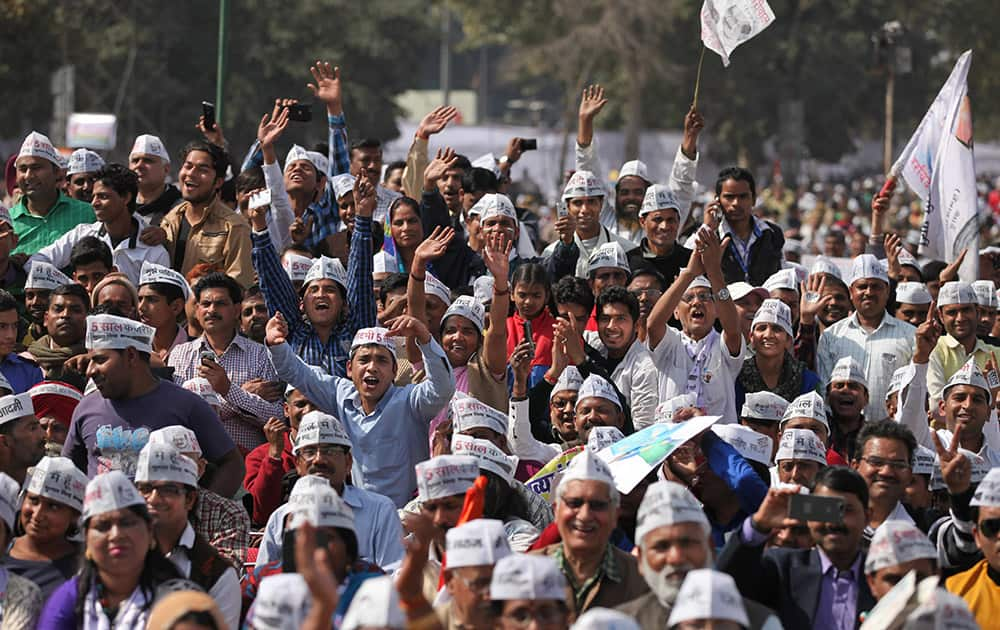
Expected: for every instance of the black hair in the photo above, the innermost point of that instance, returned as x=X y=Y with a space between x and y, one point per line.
x=393 y=282
x=166 y=290
x=366 y=143
x=404 y=200
x=573 y=290
x=887 y=429
x=322 y=148
x=250 y=179
x=462 y=163
x=75 y=290
x=298 y=248
x=736 y=173
x=843 y=479
x=932 y=270
x=220 y=160
x=618 y=295
x=393 y=166
x=121 y=179
x=156 y=570
x=7 y=302
x=646 y=270
x=89 y=250
x=479 y=180
x=531 y=273
x=252 y=290
x=216 y=280
x=199 y=618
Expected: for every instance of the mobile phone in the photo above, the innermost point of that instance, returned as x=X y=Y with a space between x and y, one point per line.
x=260 y=199
x=208 y=111
x=527 y=332
x=207 y=356
x=300 y=112
x=528 y=144
x=810 y=507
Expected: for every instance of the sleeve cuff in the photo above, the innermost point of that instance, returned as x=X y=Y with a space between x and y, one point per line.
x=749 y=534
x=336 y=121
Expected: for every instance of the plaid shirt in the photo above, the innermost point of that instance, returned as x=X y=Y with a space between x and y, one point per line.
x=279 y=295
x=607 y=569
x=242 y=413
x=224 y=524
x=340 y=163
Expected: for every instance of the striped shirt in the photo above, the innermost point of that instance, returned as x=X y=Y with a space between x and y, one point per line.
x=279 y=295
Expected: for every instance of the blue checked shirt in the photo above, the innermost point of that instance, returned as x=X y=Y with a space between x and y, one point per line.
x=279 y=295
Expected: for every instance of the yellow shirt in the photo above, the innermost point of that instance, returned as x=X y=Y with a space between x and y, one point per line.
x=947 y=357
x=979 y=591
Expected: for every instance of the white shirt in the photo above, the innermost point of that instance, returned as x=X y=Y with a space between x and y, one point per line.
x=127 y=256
x=226 y=590
x=635 y=377
x=674 y=364
x=280 y=216
x=879 y=353
x=603 y=236
x=520 y=439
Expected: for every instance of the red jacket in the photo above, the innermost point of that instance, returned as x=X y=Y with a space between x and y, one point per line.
x=541 y=334
x=263 y=479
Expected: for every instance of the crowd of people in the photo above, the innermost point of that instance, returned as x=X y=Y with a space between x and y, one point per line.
x=338 y=393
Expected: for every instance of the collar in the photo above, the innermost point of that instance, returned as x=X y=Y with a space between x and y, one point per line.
x=759 y=226
x=20 y=209
x=887 y=320
x=238 y=340
x=352 y=496
x=187 y=538
x=825 y=564
x=608 y=567
x=955 y=344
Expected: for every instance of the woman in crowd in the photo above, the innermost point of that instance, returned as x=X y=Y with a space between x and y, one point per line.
x=44 y=552
x=20 y=600
x=122 y=569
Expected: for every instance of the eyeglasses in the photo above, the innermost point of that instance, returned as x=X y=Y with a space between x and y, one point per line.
x=702 y=296
x=479 y=585
x=310 y=452
x=990 y=527
x=879 y=462
x=565 y=402
x=522 y=617
x=596 y=505
x=164 y=490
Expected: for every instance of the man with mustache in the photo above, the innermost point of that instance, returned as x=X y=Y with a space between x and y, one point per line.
x=22 y=442
x=323 y=449
x=879 y=342
x=799 y=459
x=42 y=279
x=822 y=587
x=599 y=574
x=227 y=360
x=885 y=459
x=958 y=310
x=673 y=537
x=65 y=323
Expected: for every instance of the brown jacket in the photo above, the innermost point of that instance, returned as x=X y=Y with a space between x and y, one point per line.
x=221 y=239
x=650 y=614
x=607 y=593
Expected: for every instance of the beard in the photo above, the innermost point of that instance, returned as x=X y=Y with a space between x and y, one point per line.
x=666 y=582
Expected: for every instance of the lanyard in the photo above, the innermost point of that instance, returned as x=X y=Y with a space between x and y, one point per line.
x=699 y=352
x=741 y=250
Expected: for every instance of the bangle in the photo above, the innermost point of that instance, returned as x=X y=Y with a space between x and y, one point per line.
x=499 y=293
x=418 y=278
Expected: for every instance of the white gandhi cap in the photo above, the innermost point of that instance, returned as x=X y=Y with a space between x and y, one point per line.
x=668 y=503
x=480 y=542
x=375 y=605
x=59 y=479
x=445 y=476
x=522 y=576
x=708 y=594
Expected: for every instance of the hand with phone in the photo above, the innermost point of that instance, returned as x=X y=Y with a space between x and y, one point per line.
x=214 y=373
x=713 y=214
x=773 y=510
x=209 y=126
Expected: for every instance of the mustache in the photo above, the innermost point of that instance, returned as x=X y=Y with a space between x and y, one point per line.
x=833 y=529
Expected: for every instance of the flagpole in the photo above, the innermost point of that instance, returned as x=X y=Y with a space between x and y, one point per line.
x=697 y=81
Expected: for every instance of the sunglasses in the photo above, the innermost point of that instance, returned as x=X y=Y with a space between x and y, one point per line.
x=990 y=527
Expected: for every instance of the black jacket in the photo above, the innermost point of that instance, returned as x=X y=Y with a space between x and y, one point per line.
x=786 y=580
x=765 y=258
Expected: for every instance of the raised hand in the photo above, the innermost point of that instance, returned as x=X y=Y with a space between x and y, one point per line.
x=257 y=216
x=956 y=471
x=496 y=256
x=444 y=160
x=271 y=126
x=513 y=151
x=436 y=120
x=565 y=227
x=927 y=337
x=327 y=86
x=572 y=340
x=311 y=562
x=694 y=122
x=592 y=102
x=434 y=246
x=893 y=245
x=213 y=135
x=274 y=432
x=276 y=331
x=773 y=511
x=811 y=300
x=950 y=272
x=520 y=363
x=409 y=326
x=364 y=195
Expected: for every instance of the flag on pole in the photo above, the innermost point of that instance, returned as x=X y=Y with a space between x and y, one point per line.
x=725 y=24
x=939 y=166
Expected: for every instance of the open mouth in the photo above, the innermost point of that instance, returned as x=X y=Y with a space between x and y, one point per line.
x=370 y=382
x=584 y=529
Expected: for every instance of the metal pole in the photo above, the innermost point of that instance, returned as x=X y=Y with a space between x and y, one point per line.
x=220 y=68
x=445 y=67
x=889 y=91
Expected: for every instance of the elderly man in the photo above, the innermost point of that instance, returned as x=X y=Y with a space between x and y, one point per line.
x=44 y=212
x=673 y=537
x=896 y=549
x=168 y=481
x=800 y=457
x=322 y=449
x=598 y=405
x=598 y=573
x=151 y=162
x=473 y=549
x=878 y=342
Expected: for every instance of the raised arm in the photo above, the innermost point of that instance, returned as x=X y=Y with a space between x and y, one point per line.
x=591 y=104
x=656 y=323
x=327 y=88
x=685 y=166
x=279 y=219
x=275 y=285
x=496 y=256
x=360 y=289
x=321 y=389
x=416 y=158
x=431 y=249
x=709 y=248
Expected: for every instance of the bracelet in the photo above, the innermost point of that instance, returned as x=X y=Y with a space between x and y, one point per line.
x=501 y=293
x=418 y=278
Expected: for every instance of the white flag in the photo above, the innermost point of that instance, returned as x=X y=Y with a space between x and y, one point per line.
x=725 y=24
x=939 y=166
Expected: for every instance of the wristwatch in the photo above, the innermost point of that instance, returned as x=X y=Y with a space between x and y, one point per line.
x=723 y=295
